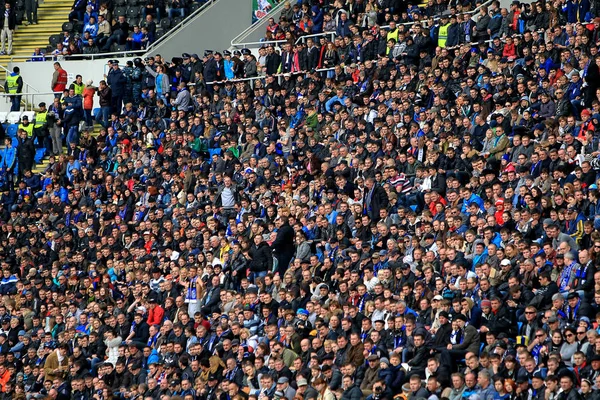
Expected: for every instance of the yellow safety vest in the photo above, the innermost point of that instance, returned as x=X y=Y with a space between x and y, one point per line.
x=393 y=35
x=28 y=129
x=40 y=118
x=78 y=88
x=11 y=82
x=443 y=35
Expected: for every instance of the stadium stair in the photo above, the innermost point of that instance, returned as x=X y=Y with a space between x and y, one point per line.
x=51 y=15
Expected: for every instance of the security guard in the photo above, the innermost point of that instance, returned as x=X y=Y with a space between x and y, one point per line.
x=136 y=80
x=78 y=85
x=26 y=125
x=186 y=67
x=443 y=31
x=40 y=128
x=14 y=85
x=128 y=72
x=41 y=116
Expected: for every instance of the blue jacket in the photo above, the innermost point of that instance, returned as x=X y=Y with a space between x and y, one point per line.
x=317 y=19
x=117 y=81
x=228 y=66
x=574 y=90
x=332 y=100
x=9 y=157
x=8 y=285
x=343 y=28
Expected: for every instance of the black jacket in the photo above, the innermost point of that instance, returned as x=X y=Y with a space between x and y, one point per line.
x=283 y=246
x=12 y=20
x=379 y=200
x=262 y=258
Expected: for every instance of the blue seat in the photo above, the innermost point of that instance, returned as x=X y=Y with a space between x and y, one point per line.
x=12 y=130
x=39 y=155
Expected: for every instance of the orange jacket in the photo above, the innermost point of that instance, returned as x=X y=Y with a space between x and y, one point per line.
x=4 y=380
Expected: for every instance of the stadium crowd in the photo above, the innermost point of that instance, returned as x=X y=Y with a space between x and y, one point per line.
x=408 y=212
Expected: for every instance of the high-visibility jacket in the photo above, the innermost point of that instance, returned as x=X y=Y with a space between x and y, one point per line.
x=28 y=129
x=40 y=118
x=78 y=88
x=443 y=35
x=61 y=82
x=11 y=82
x=393 y=35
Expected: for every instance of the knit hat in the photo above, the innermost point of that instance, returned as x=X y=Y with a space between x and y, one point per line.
x=486 y=303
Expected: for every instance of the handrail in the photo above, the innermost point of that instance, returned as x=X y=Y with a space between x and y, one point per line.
x=30 y=93
x=185 y=21
x=261 y=43
x=28 y=98
x=279 y=76
x=27 y=86
x=50 y=57
x=303 y=38
x=274 y=10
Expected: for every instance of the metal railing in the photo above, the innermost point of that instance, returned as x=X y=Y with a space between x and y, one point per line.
x=50 y=57
x=28 y=99
x=279 y=77
x=165 y=36
x=274 y=11
x=29 y=89
x=184 y=22
x=332 y=34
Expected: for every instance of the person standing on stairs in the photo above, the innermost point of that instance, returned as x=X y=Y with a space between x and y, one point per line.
x=8 y=158
x=31 y=7
x=25 y=153
x=8 y=22
x=14 y=85
x=54 y=121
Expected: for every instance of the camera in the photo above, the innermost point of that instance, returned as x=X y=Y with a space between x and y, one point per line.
x=377 y=389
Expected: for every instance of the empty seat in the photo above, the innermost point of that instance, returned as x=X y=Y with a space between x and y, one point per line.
x=195 y=6
x=133 y=11
x=132 y=2
x=133 y=21
x=120 y=11
x=12 y=130
x=78 y=27
x=54 y=40
x=165 y=23
x=120 y=3
x=67 y=26
x=120 y=48
x=14 y=117
x=176 y=21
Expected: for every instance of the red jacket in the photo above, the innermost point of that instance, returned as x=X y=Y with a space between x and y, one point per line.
x=156 y=315
x=61 y=82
